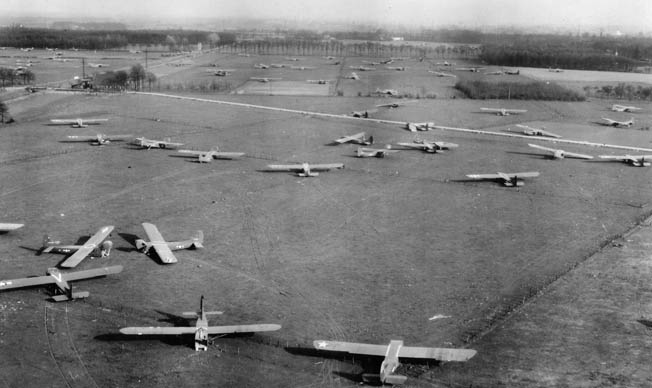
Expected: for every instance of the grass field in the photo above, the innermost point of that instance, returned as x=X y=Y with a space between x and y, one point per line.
x=586 y=76
x=368 y=253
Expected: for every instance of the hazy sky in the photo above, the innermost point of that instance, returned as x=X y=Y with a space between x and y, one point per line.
x=637 y=14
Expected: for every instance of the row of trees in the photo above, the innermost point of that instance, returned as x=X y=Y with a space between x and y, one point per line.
x=3 y=111
x=621 y=91
x=10 y=76
x=137 y=78
x=537 y=90
x=562 y=58
x=637 y=48
x=15 y=36
x=339 y=49
x=583 y=52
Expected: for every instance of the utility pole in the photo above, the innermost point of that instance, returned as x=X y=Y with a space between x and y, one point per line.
x=145 y=59
x=83 y=68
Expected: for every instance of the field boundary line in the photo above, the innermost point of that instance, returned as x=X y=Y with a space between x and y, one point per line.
x=642 y=222
x=440 y=127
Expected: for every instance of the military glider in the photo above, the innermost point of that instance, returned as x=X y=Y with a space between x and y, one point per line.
x=362 y=68
x=149 y=143
x=396 y=104
x=471 y=69
x=429 y=146
x=99 y=139
x=624 y=108
x=389 y=92
x=616 y=123
x=503 y=111
x=353 y=76
x=392 y=352
x=634 y=160
x=77 y=123
x=560 y=154
x=163 y=248
x=261 y=66
x=425 y=126
x=514 y=179
x=214 y=153
x=221 y=72
x=397 y=68
x=536 y=131
x=61 y=280
x=358 y=138
x=362 y=152
x=95 y=246
x=305 y=169
x=201 y=330
x=5 y=227
x=362 y=114
x=302 y=67
x=265 y=79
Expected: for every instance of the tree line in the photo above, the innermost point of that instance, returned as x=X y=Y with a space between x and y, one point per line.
x=565 y=58
x=620 y=91
x=137 y=78
x=583 y=52
x=536 y=90
x=15 y=36
x=10 y=77
x=340 y=49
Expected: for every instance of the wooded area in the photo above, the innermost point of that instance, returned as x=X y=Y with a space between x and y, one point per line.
x=536 y=90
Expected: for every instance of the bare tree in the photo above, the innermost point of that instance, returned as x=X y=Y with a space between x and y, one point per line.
x=3 y=111
x=28 y=76
x=137 y=75
x=151 y=78
x=4 y=74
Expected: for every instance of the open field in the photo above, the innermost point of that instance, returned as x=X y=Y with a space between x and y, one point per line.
x=60 y=72
x=365 y=254
x=416 y=81
x=591 y=328
x=586 y=76
x=284 y=88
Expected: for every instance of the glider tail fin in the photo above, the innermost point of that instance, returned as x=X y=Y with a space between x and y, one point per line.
x=48 y=243
x=198 y=240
